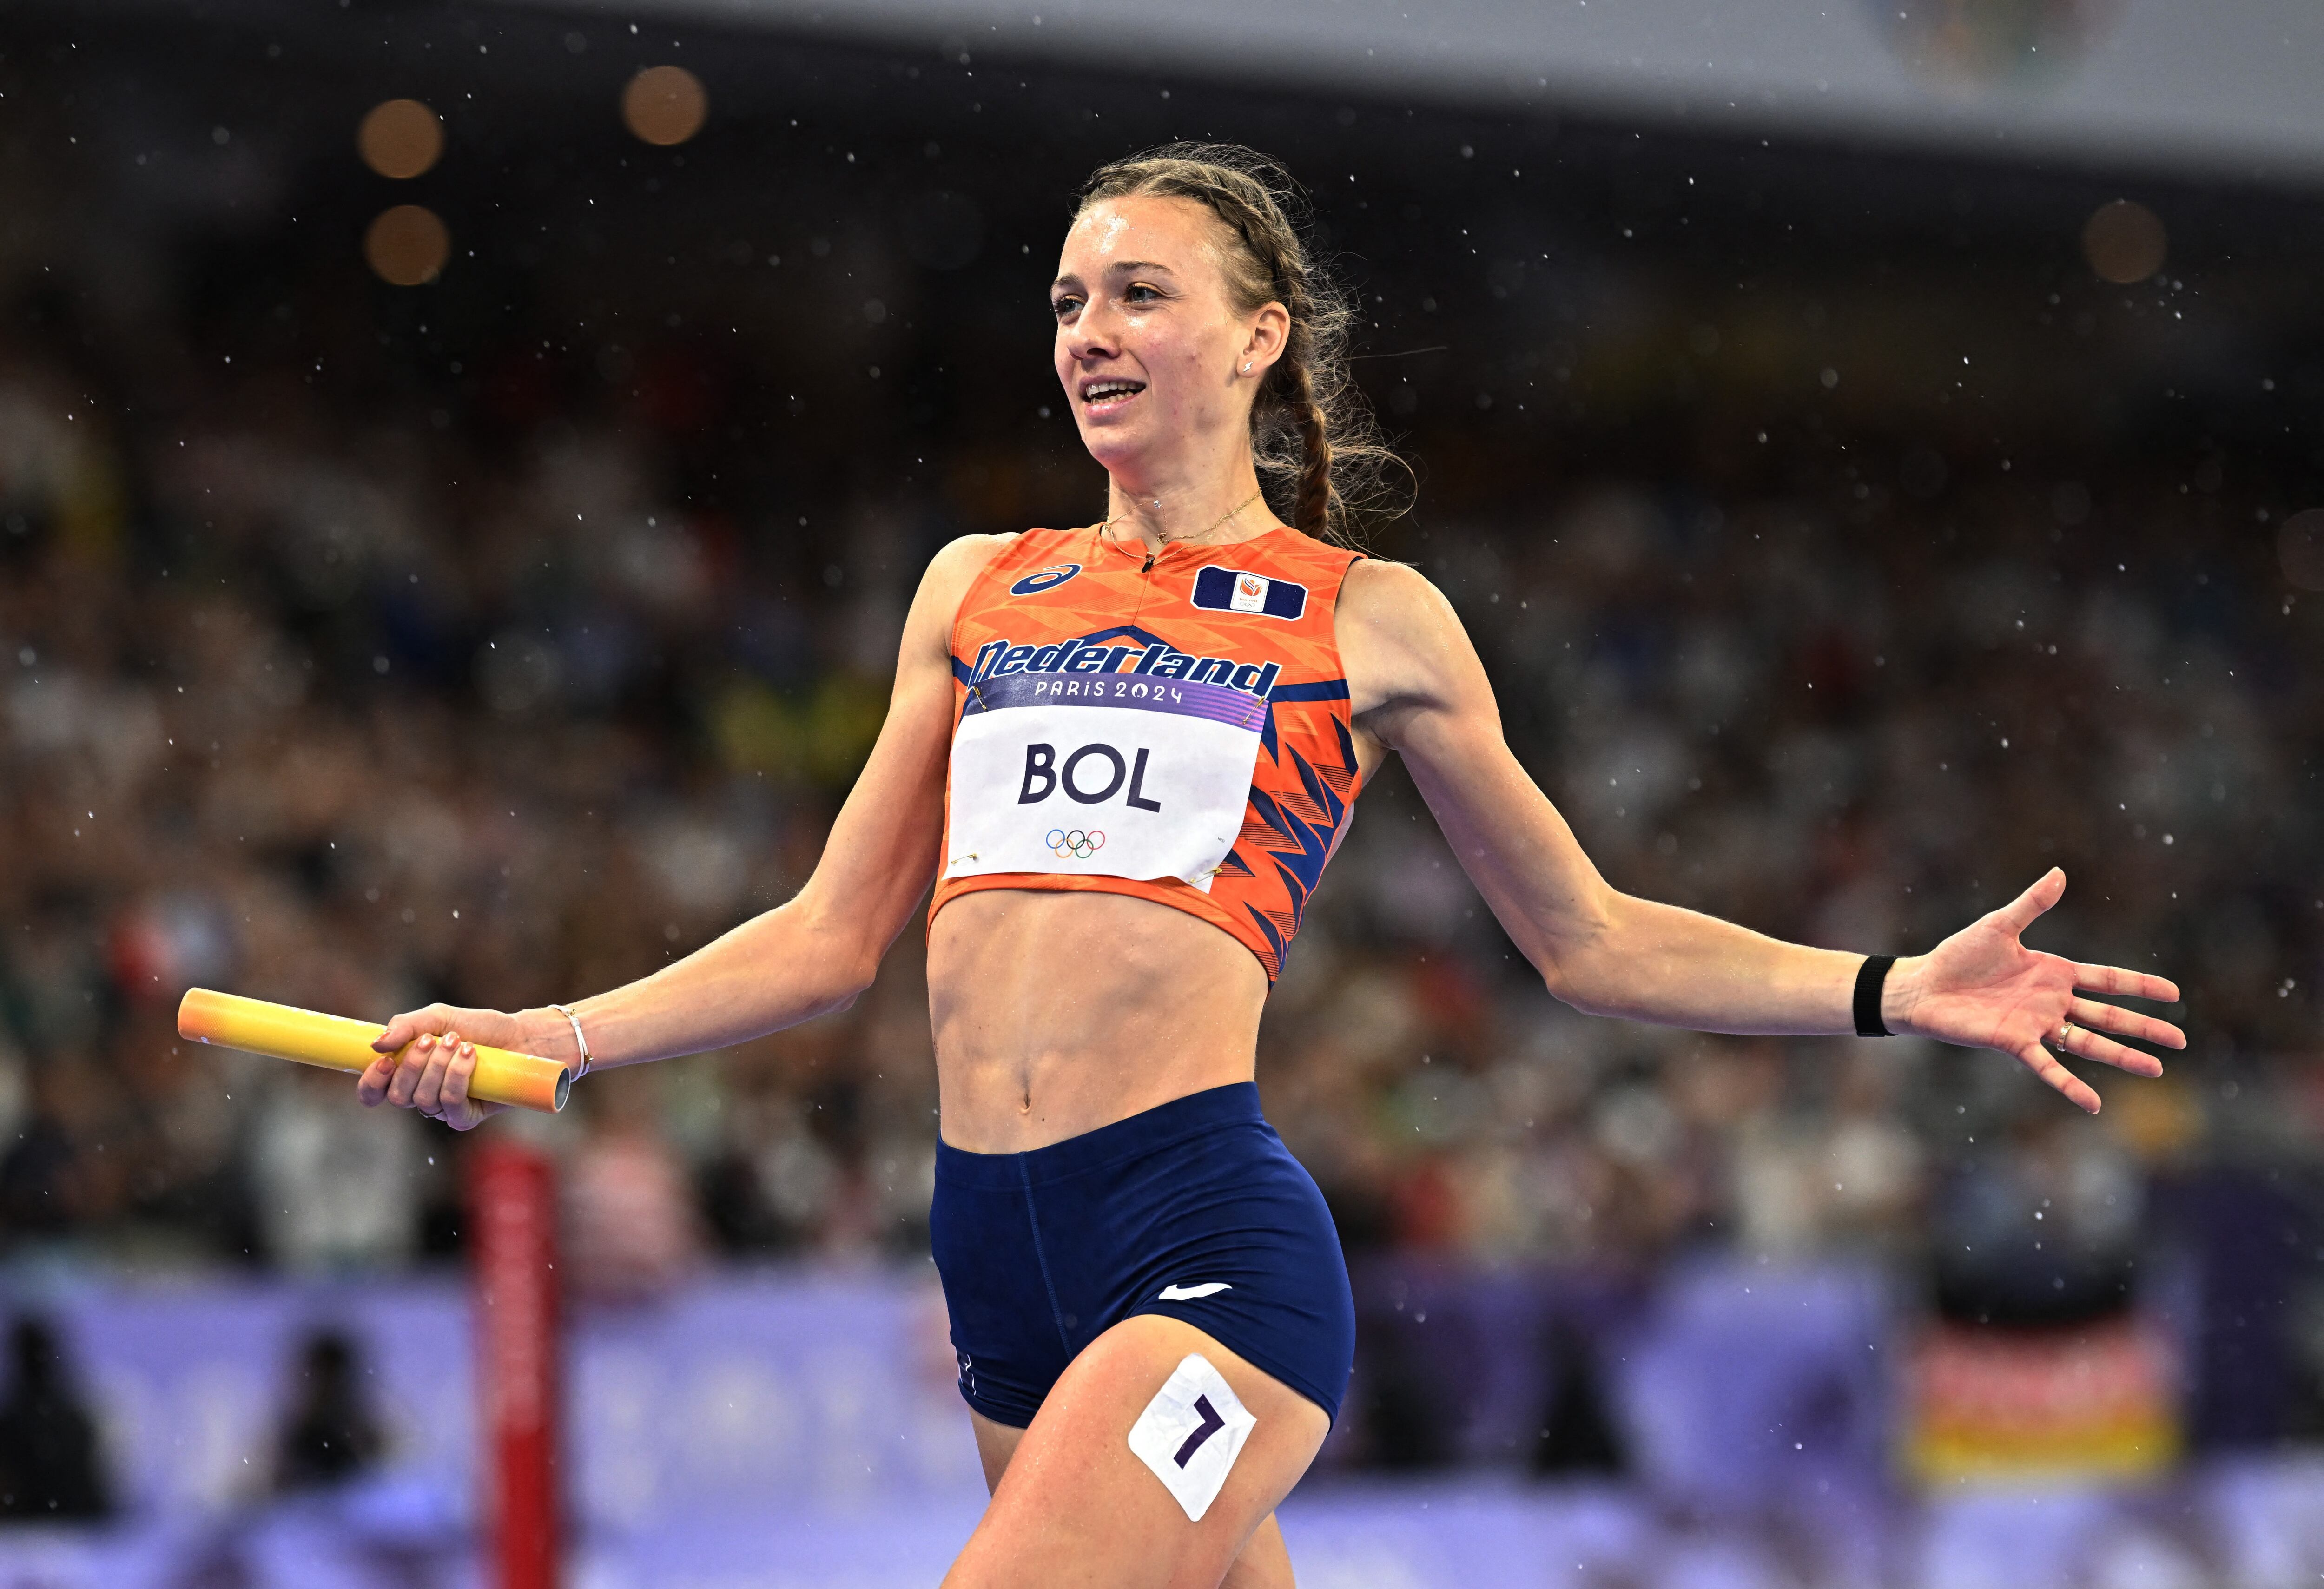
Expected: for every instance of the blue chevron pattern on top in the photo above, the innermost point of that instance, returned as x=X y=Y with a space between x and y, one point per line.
x=1302 y=868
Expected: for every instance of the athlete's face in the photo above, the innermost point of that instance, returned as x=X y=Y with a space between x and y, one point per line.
x=1151 y=347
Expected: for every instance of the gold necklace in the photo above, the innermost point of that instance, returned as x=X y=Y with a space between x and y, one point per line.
x=1106 y=529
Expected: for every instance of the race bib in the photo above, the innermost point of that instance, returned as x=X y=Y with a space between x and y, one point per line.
x=1105 y=775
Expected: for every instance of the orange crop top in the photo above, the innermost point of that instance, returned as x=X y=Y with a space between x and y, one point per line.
x=1174 y=728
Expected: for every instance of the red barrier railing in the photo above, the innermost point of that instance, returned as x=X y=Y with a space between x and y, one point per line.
x=512 y=1227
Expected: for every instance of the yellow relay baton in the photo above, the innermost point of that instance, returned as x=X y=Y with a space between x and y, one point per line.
x=282 y=1031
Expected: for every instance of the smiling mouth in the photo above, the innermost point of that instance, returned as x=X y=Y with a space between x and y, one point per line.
x=1104 y=396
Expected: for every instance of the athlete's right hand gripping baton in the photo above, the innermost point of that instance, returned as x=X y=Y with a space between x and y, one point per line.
x=282 y=1031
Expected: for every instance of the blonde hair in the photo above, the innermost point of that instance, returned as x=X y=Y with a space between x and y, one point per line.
x=1321 y=459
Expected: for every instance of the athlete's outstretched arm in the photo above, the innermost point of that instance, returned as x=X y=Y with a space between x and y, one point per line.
x=1417 y=685
x=799 y=960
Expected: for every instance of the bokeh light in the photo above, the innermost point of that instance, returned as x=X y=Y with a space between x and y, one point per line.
x=400 y=138
x=408 y=244
x=2299 y=545
x=665 y=105
x=2124 y=242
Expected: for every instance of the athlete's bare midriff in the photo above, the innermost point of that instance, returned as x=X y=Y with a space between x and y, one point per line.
x=1055 y=1014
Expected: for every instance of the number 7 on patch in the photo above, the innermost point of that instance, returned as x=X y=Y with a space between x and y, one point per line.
x=1191 y=1433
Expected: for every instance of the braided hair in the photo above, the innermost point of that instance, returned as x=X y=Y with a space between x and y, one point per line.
x=1321 y=460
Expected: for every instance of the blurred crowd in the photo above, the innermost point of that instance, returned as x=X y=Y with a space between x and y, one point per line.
x=355 y=663
x=359 y=709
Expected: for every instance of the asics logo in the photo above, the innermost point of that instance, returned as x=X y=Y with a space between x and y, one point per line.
x=1047 y=578
x=1081 y=847
x=1176 y=1293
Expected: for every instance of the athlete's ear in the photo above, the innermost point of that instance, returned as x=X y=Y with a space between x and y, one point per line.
x=1270 y=327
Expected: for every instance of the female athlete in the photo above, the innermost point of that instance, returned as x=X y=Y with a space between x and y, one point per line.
x=1123 y=754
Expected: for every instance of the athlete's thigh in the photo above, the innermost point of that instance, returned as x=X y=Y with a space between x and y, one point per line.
x=996 y=1443
x=1076 y=1505
x=1265 y=1562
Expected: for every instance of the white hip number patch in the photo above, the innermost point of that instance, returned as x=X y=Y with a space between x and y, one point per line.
x=1191 y=1433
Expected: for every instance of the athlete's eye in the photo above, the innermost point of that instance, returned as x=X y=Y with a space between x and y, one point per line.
x=1065 y=305
x=1140 y=293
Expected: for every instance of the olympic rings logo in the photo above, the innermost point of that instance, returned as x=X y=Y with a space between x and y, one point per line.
x=1073 y=842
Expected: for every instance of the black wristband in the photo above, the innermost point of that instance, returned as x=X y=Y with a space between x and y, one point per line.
x=1870 y=978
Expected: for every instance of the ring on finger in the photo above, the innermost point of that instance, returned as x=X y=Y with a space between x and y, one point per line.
x=2065 y=1032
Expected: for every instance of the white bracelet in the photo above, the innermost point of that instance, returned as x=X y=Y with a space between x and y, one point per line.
x=579 y=1042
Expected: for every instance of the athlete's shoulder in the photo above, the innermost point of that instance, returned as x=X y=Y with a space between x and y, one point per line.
x=1404 y=646
x=1291 y=545
x=958 y=562
x=1380 y=591
x=973 y=554
x=945 y=584
x=968 y=555
x=948 y=589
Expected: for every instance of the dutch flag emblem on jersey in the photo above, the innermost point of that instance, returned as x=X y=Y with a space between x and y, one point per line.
x=1231 y=590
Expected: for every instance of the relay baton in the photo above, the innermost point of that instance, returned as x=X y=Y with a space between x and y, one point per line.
x=281 y=1031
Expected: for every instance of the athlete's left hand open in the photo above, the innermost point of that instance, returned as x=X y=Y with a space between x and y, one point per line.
x=1983 y=989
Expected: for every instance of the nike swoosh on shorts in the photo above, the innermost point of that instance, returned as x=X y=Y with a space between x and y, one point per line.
x=1193 y=1293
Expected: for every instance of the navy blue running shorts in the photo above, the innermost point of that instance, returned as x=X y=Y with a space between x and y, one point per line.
x=1194 y=1210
